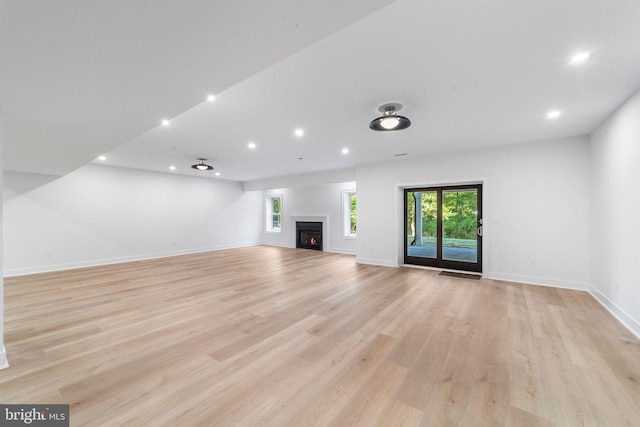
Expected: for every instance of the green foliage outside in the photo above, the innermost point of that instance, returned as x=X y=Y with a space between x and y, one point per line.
x=353 y=214
x=276 y=213
x=459 y=218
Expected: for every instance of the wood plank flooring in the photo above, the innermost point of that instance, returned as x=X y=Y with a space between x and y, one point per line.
x=268 y=336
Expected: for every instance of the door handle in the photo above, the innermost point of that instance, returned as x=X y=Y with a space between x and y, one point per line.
x=480 y=231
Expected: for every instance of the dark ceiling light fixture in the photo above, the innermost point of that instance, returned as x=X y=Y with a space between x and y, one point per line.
x=389 y=119
x=201 y=165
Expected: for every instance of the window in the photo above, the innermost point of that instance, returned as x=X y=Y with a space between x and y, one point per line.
x=349 y=213
x=274 y=213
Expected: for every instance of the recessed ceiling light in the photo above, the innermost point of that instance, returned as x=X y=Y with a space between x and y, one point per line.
x=102 y=158
x=345 y=151
x=580 y=57
x=165 y=122
x=211 y=98
x=554 y=114
x=299 y=132
x=217 y=173
x=251 y=145
x=172 y=168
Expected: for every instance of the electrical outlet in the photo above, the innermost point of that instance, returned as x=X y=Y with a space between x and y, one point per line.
x=49 y=254
x=532 y=262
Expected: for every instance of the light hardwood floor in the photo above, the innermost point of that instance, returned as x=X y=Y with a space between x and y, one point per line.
x=283 y=337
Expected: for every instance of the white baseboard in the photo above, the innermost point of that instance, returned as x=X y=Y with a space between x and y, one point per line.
x=341 y=251
x=279 y=245
x=11 y=272
x=290 y=246
x=106 y=261
x=627 y=321
x=535 y=280
x=4 y=363
x=373 y=261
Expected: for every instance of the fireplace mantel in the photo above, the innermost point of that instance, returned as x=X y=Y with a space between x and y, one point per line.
x=324 y=219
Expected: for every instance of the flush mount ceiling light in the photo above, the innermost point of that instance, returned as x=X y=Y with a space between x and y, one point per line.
x=389 y=119
x=201 y=165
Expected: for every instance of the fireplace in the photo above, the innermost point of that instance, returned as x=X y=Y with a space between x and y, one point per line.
x=309 y=235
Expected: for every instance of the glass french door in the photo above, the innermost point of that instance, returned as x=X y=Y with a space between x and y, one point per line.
x=443 y=227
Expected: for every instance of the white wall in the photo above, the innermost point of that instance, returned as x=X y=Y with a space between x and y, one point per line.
x=535 y=203
x=311 y=200
x=100 y=214
x=615 y=213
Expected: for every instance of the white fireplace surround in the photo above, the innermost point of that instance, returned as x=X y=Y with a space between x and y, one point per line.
x=324 y=219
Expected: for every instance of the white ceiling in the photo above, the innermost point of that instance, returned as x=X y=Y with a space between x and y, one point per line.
x=84 y=78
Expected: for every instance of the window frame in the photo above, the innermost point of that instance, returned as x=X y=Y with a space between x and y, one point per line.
x=347 y=196
x=269 y=223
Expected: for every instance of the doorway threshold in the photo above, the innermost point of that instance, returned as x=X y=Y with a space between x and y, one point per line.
x=461 y=275
x=447 y=272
